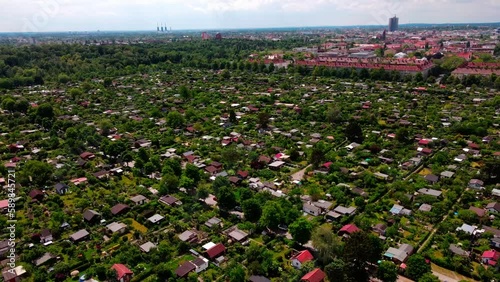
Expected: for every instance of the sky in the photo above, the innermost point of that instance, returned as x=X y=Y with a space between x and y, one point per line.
x=92 y=15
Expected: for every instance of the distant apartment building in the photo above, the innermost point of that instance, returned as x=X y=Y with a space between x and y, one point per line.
x=393 y=24
x=404 y=65
x=481 y=69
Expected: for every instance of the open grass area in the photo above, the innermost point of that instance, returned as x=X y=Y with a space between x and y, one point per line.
x=425 y=171
x=173 y=264
x=449 y=273
x=139 y=227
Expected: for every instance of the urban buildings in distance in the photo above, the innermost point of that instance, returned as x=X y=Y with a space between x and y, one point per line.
x=393 y=23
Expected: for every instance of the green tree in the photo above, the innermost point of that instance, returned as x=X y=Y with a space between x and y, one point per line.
x=230 y=156
x=335 y=270
x=226 y=198
x=185 y=93
x=327 y=244
x=301 y=230
x=252 y=209
x=36 y=172
x=8 y=104
x=387 y=271
x=429 y=277
x=272 y=215
x=333 y=114
x=175 y=119
x=169 y=183
x=22 y=105
x=263 y=119
x=236 y=274
x=45 y=110
x=360 y=249
x=402 y=135
x=354 y=133
x=192 y=172
x=416 y=267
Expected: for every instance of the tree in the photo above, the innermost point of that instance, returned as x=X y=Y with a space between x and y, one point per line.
x=174 y=165
x=333 y=114
x=45 y=110
x=263 y=118
x=226 y=198
x=37 y=172
x=175 y=119
x=168 y=184
x=318 y=154
x=387 y=271
x=185 y=93
x=8 y=104
x=327 y=243
x=252 y=209
x=429 y=277
x=192 y=172
x=335 y=271
x=219 y=182
x=402 y=135
x=202 y=192
x=360 y=249
x=301 y=230
x=354 y=133
x=416 y=267
x=230 y=156
x=272 y=215
x=236 y=274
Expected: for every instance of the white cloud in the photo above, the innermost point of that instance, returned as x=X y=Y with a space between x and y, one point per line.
x=141 y=14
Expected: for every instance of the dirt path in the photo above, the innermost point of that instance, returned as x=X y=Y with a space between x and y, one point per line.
x=299 y=175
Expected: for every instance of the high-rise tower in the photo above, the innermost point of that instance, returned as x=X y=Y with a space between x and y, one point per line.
x=393 y=23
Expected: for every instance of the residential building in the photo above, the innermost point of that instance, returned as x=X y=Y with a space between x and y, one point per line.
x=301 y=257
x=316 y=275
x=123 y=274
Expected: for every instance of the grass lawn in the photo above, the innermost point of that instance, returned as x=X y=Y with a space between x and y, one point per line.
x=425 y=171
x=173 y=264
x=139 y=227
x=449 y=273
x=127 y=181
x=438 y=254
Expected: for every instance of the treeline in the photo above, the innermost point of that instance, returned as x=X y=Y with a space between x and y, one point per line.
x=35 y=65
x=63 y=63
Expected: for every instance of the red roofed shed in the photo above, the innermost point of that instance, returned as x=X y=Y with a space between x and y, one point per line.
x=123 y=274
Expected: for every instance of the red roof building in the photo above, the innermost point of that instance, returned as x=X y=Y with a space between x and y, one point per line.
x=300 y=258
x=87 y=155
x=348 y=229
x=243 y=174
x=123 y=274
x=317 y=275
x=216 y=251
x=490 y=257
x=327 y=165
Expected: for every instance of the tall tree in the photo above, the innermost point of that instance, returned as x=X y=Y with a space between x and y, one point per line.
x=360 y=249
x=301 y=230
x=353 y=132
x=226 y=198
x=416 y=267
x=387 y=271
x=327 y=243
x=335 y=271
x=272 y=215
x=252 y=209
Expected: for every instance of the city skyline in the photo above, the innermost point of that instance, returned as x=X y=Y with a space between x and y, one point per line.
x=79 y=15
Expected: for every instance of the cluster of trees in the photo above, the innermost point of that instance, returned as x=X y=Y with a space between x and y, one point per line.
x=63 y=63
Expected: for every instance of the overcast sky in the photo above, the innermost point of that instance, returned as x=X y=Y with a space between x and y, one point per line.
x=91 y=15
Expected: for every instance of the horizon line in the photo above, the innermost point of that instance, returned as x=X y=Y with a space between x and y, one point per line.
x=247 y=28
